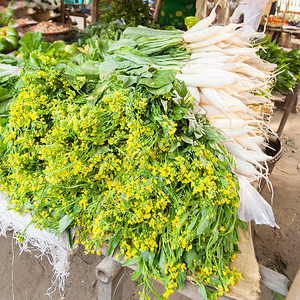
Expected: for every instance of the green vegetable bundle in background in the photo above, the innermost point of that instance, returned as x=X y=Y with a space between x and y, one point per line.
x=288 y=64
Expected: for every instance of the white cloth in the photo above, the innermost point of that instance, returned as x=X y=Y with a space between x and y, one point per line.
x=57 y=251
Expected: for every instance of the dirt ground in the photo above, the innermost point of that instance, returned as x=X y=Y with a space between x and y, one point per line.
x=26 y=277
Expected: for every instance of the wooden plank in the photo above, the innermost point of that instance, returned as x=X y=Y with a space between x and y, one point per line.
x=294 y=292
x=245 y=263
x=274 y=280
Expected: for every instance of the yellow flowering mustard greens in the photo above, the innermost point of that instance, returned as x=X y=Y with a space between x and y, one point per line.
x=130 y=169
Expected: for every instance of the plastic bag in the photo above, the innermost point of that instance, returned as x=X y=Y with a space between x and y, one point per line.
x=252 y=11
x=253 y=206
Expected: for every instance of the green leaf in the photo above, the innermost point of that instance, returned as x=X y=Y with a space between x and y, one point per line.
x=187 y=139
x=31 y=41
x=178 y=112
x=202 y=291
x=121 y=43
x=162 y=261
x=192 y=225
x=160 y=91
x=148 y=256
x=214 y=237
x=113 y=243
x=64 y=223
x=180 y=88
x=151 y=258
x=107 y=67
x=189 y=258
x=128 y=80
x=137 y=273
x=181 y=279
x=203 y=225
x=5 y=94
x=89 y=68
x=132 y=261
x=159 y=79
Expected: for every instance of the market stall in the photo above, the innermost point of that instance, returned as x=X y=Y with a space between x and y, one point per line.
x=146 y=143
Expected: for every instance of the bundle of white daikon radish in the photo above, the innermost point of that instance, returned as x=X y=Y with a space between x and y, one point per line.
x=229 y=81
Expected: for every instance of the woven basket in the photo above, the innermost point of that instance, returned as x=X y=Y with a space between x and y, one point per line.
x=274 y=149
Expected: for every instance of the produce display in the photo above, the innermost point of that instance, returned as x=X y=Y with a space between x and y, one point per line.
x=49 y=27
x=8 y=39
x=147 y=144
x=273 y=21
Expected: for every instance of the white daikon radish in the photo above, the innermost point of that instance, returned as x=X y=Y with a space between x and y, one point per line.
x=212 y=41
x=211 y=110
x=245 y=168
x=240 y=51
x=238 y=40
x=247 y=142
x=224 y=45
x=196 y=36
x=204 y=23
x=238 y=151
x=259 y=156
x=207 y=54
x=217 y=59
x=233 y=133
x=212 y=97
x=207 y=81
x=213 y=65
x=228 y=123
x=251 y=72
x=213 y=48
x=260 y=64
x=257 y=139
x=233 y=103
x=197 y=70
x=249 y=98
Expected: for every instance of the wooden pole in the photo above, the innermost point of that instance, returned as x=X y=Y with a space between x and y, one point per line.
x=94 y=11
x=291 y=99
x=62 y=11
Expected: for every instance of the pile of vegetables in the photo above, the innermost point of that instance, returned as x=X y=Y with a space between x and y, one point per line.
x=8 y=39
x=126 y=141
x=230 y=83
x=288 y=63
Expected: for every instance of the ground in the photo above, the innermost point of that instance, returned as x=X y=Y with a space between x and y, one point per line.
x=26 y=277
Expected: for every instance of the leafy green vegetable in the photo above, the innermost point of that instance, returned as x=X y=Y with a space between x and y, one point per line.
x=132 y=12
x=190 y=22
x=288 y=63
